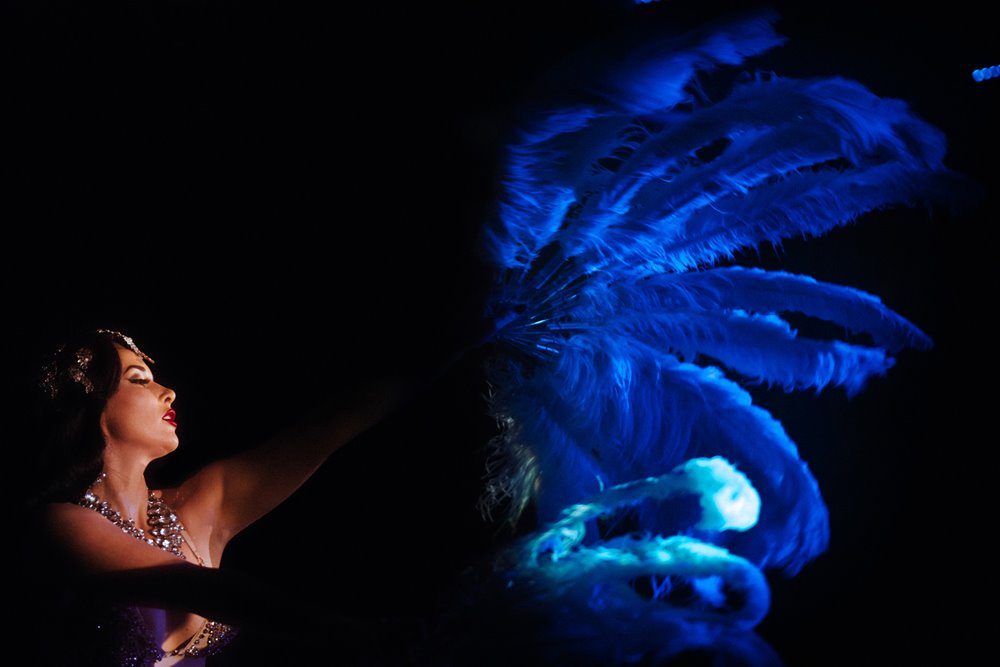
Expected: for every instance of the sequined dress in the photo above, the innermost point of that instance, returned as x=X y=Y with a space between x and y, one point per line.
x=118 y=636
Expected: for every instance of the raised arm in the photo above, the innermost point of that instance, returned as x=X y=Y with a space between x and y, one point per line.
x=238 y=490
x=242 y=488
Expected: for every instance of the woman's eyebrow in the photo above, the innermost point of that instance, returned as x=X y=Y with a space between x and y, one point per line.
x=137 y=367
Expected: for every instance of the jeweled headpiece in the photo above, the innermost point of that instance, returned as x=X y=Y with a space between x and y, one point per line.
x=126 y=341
x=61 y=370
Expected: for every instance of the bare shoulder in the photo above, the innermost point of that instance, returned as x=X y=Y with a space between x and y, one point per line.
x=199 y=493
x=87 y=542
x=64 y=520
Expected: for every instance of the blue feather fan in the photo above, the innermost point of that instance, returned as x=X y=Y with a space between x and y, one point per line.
x=624 y=336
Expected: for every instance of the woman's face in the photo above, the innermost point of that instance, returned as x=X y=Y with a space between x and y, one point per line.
x=138 y=416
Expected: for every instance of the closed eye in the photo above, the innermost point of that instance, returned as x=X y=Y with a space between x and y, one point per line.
x=139 y=381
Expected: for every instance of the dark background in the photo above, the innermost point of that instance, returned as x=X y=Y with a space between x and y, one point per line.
x=278 y=200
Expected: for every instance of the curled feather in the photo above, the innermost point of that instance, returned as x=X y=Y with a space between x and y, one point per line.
x=611 y=410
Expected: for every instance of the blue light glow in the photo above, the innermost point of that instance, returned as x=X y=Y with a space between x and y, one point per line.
x=986 y=73
x=727 y=500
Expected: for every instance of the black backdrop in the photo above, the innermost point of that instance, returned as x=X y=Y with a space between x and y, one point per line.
x=277 y=199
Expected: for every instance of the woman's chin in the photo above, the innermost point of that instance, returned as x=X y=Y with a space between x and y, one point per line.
x=169 y=447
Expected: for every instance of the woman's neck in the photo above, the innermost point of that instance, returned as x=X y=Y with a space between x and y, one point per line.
x=124 y=488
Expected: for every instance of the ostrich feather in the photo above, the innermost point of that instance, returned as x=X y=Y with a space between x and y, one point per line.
x=759 y=291
x=761 y=348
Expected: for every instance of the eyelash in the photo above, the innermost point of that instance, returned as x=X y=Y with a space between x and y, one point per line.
x=139 y=381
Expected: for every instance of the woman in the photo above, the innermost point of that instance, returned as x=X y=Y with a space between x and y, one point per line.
x=129 y=575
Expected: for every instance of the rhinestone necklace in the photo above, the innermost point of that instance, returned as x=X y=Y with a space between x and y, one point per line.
x=165 y=529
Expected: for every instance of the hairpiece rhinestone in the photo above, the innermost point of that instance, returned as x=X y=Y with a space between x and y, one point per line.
x=51 y=381
x=77 y=372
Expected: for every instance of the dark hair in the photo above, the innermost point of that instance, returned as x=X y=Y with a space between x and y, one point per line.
x=65 y=432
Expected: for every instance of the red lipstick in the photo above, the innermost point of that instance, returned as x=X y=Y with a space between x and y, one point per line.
x=171 y=418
